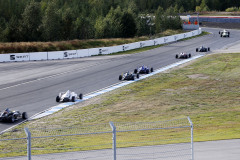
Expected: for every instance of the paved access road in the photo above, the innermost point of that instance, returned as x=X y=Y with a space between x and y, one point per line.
x=33 y=86
x=211 y=150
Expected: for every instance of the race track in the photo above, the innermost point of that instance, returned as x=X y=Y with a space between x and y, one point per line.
x=33 y=86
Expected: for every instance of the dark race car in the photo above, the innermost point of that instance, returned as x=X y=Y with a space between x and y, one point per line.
x=128 y=76
x=143 y=70
x=183 y=55
x=12 y=116
x=68 y=96
x=202 y=49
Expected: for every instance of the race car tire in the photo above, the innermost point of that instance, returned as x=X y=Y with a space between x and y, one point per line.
x=189 y=55
x=147 y=71
x=151 y=69
x=12 y=119
x=120 y=77
x=135 y=71
x=80 y=96
x=24 y=115
x=196 y=49
x=73 y=99
x=219 y=32
x=133 y=78
x=221 y=35
x=208 y=48
x=57 y=99
x=137 y=76
x=176 y=56
x=186 y=56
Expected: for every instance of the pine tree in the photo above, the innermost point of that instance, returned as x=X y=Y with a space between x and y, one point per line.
x=128 y=25
x=31 y=21
x=51 y=23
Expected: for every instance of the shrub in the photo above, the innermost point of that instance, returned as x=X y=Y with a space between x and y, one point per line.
x=232 y=9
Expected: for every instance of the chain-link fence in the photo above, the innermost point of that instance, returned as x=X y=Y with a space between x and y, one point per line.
x=171 y=140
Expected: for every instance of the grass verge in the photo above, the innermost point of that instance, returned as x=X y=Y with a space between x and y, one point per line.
x=23 y=47
x=207 y=90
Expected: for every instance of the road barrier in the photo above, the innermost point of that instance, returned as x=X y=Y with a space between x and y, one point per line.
x=69 y=54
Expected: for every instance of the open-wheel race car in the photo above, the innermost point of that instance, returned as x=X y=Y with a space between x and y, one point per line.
x=11 y=116
x=203 y=49
x=128 y=76
x=68 y=96
x=143 y=70
x=183 y=55
x=224 y=33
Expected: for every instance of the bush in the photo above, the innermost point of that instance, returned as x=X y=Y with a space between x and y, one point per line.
x=232 y=9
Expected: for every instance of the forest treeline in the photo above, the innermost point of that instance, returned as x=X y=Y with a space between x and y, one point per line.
x=55 y=20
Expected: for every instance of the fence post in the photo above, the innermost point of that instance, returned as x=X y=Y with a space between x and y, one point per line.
x=114 y=141
x=191 y=137
x=28 y=133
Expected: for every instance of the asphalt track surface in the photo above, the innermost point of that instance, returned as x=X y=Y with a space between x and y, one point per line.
x=33 y=86
x=210 y=150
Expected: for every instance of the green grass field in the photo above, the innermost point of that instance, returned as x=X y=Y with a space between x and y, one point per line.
x=207 y=90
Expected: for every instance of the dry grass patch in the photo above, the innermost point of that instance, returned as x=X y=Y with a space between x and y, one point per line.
x=20 y=47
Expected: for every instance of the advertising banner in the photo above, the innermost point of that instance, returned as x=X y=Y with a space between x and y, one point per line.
x=18 y=57
x=104 y=50
x=55 y=55
x=38 y=56
x=93 y=51
x=82 y=53
x=70 y=54
x=115 y=49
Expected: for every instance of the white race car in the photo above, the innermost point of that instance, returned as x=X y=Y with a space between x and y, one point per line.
x=183 y=55
x=224 y=33
x=68 y=96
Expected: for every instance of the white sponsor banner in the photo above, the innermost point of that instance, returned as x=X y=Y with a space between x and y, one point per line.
x=18 y=57
x=167 y=39
x=104 y=50
x=180 y=36
x=148 y=43
x=132 y=46
x=159 y=41
x=93 y=51
x=115 y=49
x=82 y=53
x=193 y=33
x=188 y=34
x=55 y=55
x=171 y=38
x=70 y=54
x=4 y=58
x=176 y=37
x=126 y=47
x=38 y=56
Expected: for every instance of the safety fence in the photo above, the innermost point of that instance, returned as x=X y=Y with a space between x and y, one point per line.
x=69 y=54
x=140 y=140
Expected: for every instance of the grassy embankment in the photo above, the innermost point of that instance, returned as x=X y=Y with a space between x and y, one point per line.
x=20 y=47
x=207 y=90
